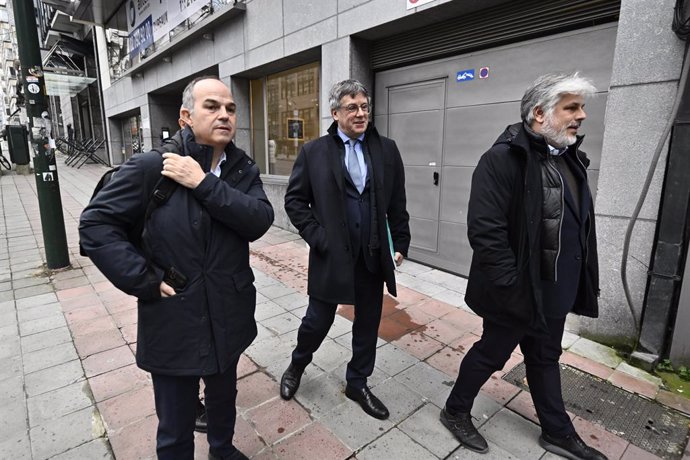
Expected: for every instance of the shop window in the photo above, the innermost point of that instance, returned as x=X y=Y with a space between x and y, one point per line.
x=284 y=115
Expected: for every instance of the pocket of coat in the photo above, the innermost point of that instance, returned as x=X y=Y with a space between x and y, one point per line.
x=243 y=280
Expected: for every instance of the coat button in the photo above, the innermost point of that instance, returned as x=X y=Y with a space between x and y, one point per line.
x=239 y=172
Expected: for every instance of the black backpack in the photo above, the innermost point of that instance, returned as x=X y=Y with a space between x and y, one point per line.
x=163 y=189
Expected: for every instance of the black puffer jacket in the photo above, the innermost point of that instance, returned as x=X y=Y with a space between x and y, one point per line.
x=514 y=217
x=204 y=233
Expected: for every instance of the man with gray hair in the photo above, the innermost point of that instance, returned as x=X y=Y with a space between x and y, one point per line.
x=346 y=190
x=531 y=226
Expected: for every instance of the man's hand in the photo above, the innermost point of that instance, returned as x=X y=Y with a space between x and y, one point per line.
x=166 y=290
x=398 y=259
x=183 y=170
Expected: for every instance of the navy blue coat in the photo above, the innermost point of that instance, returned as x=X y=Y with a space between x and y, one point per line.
x=204 y=233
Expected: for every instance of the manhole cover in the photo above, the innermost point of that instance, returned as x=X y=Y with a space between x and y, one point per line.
x=644 y=423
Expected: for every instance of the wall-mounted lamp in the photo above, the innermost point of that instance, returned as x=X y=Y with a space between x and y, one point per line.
x=138 y=75
x=207 y=36
x=167 y=59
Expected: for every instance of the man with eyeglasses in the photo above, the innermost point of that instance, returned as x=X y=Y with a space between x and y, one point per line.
x=346 y=196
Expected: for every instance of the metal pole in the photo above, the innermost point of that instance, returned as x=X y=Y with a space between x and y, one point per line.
x=45 y=168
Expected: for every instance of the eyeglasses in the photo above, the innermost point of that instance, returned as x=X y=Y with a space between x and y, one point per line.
x=354 y=108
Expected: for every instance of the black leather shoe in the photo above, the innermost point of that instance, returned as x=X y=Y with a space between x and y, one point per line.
x=201 y=425
x=571 y=446
x=463 y=429
x=370 y=403
x=289 y=383
x=237 y=455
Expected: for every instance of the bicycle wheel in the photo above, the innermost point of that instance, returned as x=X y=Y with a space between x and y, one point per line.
x=5 y=163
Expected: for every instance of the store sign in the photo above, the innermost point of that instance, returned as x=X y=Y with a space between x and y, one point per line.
x=415 y=3
x=150 y=20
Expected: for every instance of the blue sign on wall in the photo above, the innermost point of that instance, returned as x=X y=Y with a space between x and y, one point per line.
x=141 y=37
x=465 y=75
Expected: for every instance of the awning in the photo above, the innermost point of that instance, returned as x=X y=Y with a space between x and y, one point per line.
x=65 y=85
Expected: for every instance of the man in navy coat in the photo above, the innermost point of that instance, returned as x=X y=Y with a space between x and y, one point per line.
x=346 y=190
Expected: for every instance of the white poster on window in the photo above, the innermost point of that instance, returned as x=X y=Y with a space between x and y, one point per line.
x=415 y=3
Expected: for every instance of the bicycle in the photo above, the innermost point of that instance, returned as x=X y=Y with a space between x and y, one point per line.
x=4 y=162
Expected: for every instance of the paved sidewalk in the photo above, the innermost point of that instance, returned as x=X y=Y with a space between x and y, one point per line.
x=69 y=388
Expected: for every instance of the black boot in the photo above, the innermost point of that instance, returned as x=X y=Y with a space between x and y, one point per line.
x=462 y=428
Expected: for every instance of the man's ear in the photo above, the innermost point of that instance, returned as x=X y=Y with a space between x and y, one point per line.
x=538 y=113
x=185 y=116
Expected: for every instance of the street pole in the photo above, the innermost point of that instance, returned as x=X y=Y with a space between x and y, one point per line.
x=45 y=168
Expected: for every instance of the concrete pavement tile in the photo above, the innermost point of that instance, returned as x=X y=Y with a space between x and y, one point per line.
x=98 y=448
x=41 y=299
x=86 y=313
x=495 y=453
x=7 y=306
x=267 y=309
x=53 y=378
x=374 y=379
x=444 y=331
x=596 y=436
x=38 y=312
x=124 y=409
x=391 y=330
x=321 y=394
x=423 y=287
x=425 y=428
x=10 y=346
x=312 y=438
x=108 y=360
x=81 y=301
x=277 y=420
x=256 y=389
x=14 y=418
x=633 y=385
x=5 y=286
x=445 y=279
x=10 y=367
x=49 y=357
x=498 y=389
x=65 y=433
x=31 y=291
x=126 y=317
x=483 y=409
x=353 y=426
x=677 y=402
x=522 y=404
x=292 y=301
x=639 y=374
x=58 y=403
x=97 y=342
x=282 y=324
x=6 y=295
x=392 y=360
x=586 y=365
x=129 y=333
x=331 y=355
x=23 y=266
x=273 y=353
x=418 y=344
x=400 y=400
x=46 y=323
x=135 y=441
x=428 y=382
x=451 y=297
x=413 y=268
x=340 y=326
x=276 y=290
x=45 y=339
x=102 y=324
x=16 y=446
x=118 y=381
x=346 y=311
x=405 y=448
x=29 y=281
x=67 y=274
x=514 y=434
x=246 y=438
x=71 y=283
x=12 y=390
x=245 y=367
x=596 y=352
x=568 y=339
x=8 y=332
x=446 y=360
x=346 y=339
x=70 y=293
x=632 y=452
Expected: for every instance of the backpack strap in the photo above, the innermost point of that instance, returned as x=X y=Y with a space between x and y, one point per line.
x=165 y=186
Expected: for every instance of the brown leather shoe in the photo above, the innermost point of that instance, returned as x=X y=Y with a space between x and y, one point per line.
x=463 y=429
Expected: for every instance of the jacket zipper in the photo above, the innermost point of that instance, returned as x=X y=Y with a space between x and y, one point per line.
x=560 y=219
x=589 y=225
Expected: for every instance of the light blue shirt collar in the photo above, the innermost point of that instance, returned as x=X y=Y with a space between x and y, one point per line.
x=345 y=137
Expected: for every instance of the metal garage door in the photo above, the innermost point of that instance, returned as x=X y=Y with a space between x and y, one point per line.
x=442 y=126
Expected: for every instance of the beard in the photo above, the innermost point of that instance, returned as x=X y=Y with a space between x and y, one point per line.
x=555 y=135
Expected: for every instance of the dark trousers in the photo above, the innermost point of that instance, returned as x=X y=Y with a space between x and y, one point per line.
x=490 y=354
x=319 y=319
x=176 y=406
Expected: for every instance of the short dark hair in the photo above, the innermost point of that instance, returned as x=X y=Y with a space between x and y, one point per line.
x=346 y=88
x=188 y=97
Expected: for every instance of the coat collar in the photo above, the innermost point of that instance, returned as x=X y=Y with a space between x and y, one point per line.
x=371 y=145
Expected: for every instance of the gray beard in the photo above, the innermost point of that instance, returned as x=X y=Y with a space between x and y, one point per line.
x=555 y=137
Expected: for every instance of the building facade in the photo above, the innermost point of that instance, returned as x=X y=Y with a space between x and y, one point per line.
x=446 y=78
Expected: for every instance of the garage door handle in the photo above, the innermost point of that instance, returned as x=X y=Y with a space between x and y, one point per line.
x=435 y=178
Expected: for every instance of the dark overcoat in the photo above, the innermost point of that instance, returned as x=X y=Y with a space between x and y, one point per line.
x=505 y=230
x=315 y=203
x=204 y=234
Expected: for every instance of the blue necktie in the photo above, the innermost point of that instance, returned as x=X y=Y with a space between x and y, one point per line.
x=353 y=166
